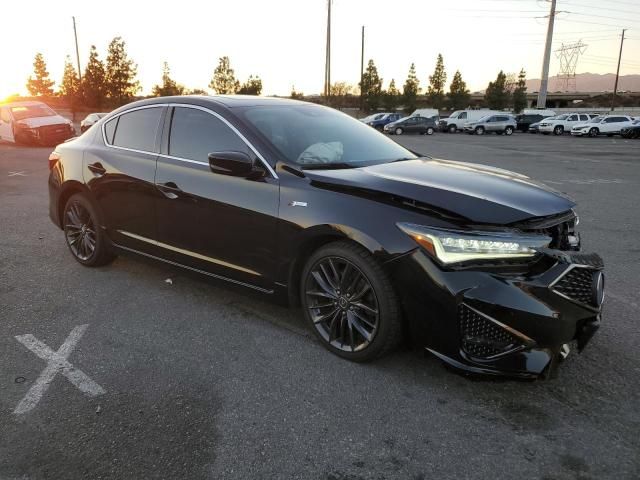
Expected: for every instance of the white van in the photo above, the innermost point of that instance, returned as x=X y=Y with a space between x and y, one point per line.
x=427 y=113
x=33 y=122
x=457 y=119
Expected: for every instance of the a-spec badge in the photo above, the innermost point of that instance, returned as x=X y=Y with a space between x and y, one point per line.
x=295 y=203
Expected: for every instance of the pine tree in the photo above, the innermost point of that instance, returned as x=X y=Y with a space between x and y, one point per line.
x=93 y=82
x=437 y=81
x=41 y=84
x=120 y=73
x=371 y=87
x=520 y=93
x=458 y=93
x=70 y=85
x=410 y=90
x=224 y=80
x=391 y=96
x=496 y=95
x=169 y=87
x=253 y=86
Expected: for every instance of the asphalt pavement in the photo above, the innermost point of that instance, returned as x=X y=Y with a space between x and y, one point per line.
x=199 y=381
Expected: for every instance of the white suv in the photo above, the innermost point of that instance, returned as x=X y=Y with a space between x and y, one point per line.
x=604 y=125
x=563 y=123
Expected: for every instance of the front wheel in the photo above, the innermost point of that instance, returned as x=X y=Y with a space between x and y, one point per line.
x=558 y=130
x=479 y=130
x=350 y=303
x=453 y=129
x=593 y=132
x=398 y=131
x=86 y=240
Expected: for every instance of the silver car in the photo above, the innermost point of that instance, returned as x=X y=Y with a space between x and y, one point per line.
x=498 y=124
x=89 y=120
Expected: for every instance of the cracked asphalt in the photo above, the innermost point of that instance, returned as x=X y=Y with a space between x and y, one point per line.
x=204 y=381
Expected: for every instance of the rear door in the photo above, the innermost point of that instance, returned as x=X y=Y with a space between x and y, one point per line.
x=220 y=224
x=6 y=125
x=119 y=169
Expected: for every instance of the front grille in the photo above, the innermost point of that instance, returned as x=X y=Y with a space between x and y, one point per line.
x=483 y=338
x=53 y=130
x=577 y=284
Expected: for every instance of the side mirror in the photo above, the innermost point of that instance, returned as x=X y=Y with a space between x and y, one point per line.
x=236 y=164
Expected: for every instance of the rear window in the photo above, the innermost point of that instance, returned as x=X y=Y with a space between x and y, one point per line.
x=137 y=130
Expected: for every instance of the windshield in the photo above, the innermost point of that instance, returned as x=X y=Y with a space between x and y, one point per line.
x=597 y=119
x=32 y=111
x=320 y=137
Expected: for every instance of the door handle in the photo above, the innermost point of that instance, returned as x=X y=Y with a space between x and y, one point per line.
x=169 y=189
x=97 y=168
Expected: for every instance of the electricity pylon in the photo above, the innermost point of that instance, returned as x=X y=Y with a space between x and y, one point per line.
x=568 y=56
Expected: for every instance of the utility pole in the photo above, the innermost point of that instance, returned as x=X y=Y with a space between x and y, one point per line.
x=544 y=79
x=362 y=71
x=615 y=86
x=75 y=34
x=327 y=68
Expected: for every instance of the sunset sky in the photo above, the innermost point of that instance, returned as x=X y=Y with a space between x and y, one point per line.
x=283 y=41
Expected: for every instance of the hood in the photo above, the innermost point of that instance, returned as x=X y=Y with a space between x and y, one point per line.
x=35 y=122
x=477 y=194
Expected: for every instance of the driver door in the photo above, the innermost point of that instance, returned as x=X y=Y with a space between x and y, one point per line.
x=220 y=224
x=6 y=125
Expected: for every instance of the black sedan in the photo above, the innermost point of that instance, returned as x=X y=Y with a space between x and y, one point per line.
x=302 y=203
x=413 y=124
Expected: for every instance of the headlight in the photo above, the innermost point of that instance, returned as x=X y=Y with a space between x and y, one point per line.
x=450 y=246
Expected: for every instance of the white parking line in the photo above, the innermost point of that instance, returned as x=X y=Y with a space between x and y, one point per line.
x=21 y=173
x=56 y=363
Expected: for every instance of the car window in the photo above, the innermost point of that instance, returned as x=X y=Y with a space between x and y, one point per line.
x=584 y=118
x=110 y=129
x=572 y=118
x=462 y=116
x=137 y=130
x=501 y=119
x=195 y=134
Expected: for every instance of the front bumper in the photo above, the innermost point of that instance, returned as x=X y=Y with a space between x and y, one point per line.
x=501 y=322
x=48 y=134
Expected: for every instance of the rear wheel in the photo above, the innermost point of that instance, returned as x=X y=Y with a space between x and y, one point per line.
x=558 y=130
x=350 y=303
x=479 y=130
x=86 y=240
x=508 y=130
x=430 y=131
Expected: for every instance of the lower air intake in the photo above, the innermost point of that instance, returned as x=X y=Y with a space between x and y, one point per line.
x=482 y=337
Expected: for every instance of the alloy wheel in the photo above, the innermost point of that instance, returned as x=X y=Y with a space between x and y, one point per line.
x=342 y=304
x=479 y=131
x=80 y=231
x=398 y=131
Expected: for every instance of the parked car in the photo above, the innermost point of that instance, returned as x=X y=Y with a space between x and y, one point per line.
x=380 y=121
x=427 y=112
x=564 y=123
x=632 y=131
x=525 y=120
x=533 y=128
x=89 y=120
x=33 y=123
x=477 y=264
x=413 y=124
x=497 y=124
x=373 y=116
x=459 y=118
x=603 y=125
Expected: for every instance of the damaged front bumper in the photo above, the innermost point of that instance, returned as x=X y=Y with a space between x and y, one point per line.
x=512 y=321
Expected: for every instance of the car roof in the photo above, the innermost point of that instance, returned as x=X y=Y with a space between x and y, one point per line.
x=22 y=104
x=229 y=101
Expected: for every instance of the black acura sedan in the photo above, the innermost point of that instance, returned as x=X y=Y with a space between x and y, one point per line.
x=479 y=266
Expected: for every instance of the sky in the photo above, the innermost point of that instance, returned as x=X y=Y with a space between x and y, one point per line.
x=283 y=41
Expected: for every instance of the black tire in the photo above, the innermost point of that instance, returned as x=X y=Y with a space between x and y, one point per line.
x=379 y=128
x=81 y=221
x=479 y=131
x=593 y=132
x=508 y=131
x=558 y=130
x=452 y=129
x=388 y=324
x=430 y=131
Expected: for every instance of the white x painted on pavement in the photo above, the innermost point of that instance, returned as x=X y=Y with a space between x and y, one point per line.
x=17 y=174
x=56 y=363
